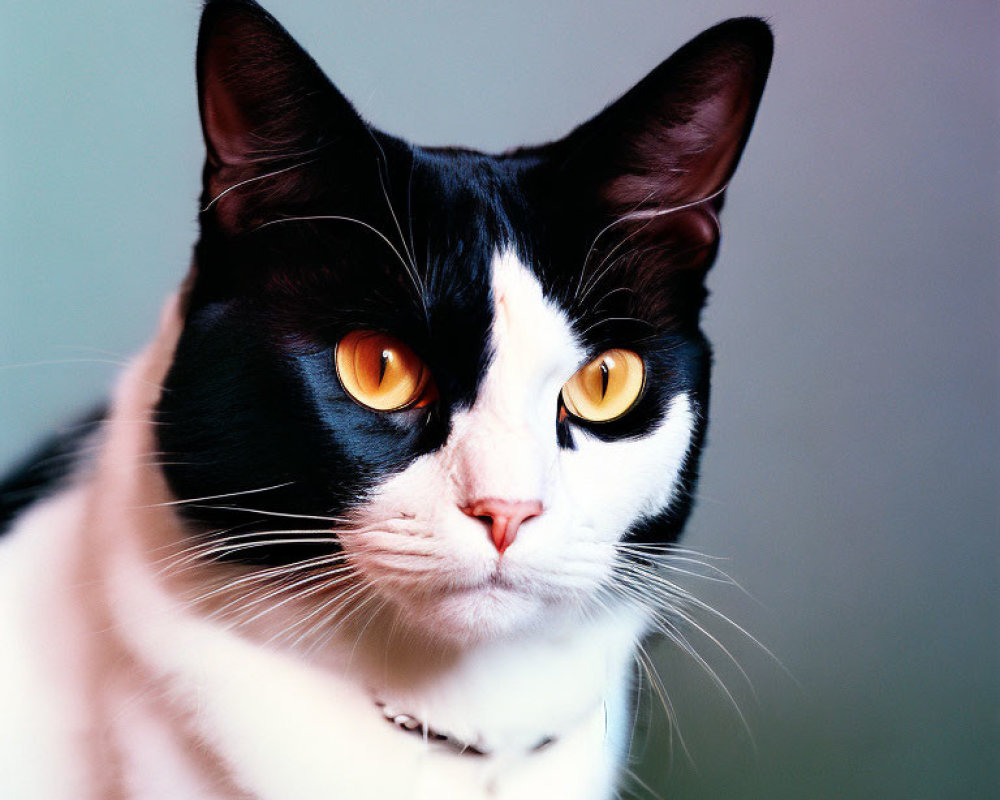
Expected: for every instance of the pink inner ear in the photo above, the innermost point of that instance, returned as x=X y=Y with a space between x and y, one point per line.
x=264 y=104
x=226 y=130
x=244 y=92
x=226 y=127
x=676 y=137
x=710 y=159
x=687 y=161
x=252 y=79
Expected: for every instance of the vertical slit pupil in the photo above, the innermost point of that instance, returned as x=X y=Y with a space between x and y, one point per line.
x=383 y=364
x=605 y=376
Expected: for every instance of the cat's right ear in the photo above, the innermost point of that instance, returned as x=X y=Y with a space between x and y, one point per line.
x=266 y=110
x=645 y=178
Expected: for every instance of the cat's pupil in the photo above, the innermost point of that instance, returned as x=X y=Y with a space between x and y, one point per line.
x=383 y=364
x=605 y=377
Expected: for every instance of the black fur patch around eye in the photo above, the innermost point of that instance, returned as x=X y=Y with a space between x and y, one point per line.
x=253 y=399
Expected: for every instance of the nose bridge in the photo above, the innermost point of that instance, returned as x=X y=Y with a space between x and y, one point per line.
x=498 y=456
x=505 y=446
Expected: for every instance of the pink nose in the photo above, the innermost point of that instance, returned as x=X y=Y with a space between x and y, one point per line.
x=504 y=517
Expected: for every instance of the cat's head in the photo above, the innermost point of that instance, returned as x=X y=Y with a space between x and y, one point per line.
x=458 y=385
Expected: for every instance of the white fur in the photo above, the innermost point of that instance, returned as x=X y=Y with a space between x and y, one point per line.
x=42 y=697
x=128 y=690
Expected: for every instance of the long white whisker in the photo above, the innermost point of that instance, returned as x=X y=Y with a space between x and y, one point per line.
x=343 y=598
x=593 y=244
x=341 y=218
x=235 y=186
x=325 y=584
x=218 y=496
x=666 y=627
x=262 y=512
x=646 y=663
x=271 y=574
x=644 y=215
x=686 y=597
x=221 y=542
x=383 y=170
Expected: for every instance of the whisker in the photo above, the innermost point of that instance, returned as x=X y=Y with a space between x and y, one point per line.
x=341 y=218
x=343 y=598
x=673 y=722
x=668 y=561
x=242 y=546
x=47 y=362
x=383 y=174
x=222 y=541
x=263 y=512
x=235 y=186
x=593 y=244
x=219 y=496
x=605 y=320
x=637 y=214
x=270 y=574
x=344 y=573
x=637 y=592
x=701 y=604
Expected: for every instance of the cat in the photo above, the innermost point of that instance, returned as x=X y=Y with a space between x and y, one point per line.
x=378 y=511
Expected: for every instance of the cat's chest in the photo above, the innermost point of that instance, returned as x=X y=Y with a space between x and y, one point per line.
x=283 y=729
x=302 y=750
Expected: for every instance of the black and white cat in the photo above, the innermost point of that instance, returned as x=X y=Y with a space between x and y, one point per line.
x=376 y=513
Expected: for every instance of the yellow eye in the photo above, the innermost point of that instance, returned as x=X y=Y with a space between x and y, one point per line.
x=382 y=373
x=605 y=388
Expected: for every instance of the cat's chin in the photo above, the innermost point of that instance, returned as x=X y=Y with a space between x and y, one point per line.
x=476 y=614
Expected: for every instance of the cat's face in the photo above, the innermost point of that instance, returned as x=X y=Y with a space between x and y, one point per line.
x=430 y=537
x=458 y=382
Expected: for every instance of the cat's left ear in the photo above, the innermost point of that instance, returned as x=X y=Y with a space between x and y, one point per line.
x=266 y=108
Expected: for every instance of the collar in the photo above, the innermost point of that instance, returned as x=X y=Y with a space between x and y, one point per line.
x=411 y=724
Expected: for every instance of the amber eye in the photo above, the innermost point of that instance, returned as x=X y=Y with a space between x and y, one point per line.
x=605 y=388
x=382 y=373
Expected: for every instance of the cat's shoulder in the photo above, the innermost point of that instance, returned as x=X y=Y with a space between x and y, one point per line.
x=43 y=707
x=46 y=469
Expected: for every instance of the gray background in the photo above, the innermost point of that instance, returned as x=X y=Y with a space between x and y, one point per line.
x=850 y=482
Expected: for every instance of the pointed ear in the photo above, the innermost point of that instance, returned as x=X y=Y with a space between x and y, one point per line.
x=644 y=179
x=677 y=136
x=265 y=107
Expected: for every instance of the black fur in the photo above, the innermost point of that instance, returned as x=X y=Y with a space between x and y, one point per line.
x=404 y=246
x=46 y=469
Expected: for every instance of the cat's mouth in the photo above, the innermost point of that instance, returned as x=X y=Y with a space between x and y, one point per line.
x=497 y=581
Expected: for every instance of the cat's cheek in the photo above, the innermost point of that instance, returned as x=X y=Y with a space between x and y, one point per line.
x=637 y=477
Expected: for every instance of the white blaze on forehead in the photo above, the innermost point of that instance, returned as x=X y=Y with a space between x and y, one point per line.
x=534 y=347
x=506 y=443
x=506 y=446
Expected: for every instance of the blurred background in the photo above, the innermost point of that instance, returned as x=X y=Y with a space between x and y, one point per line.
x=850 y=483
